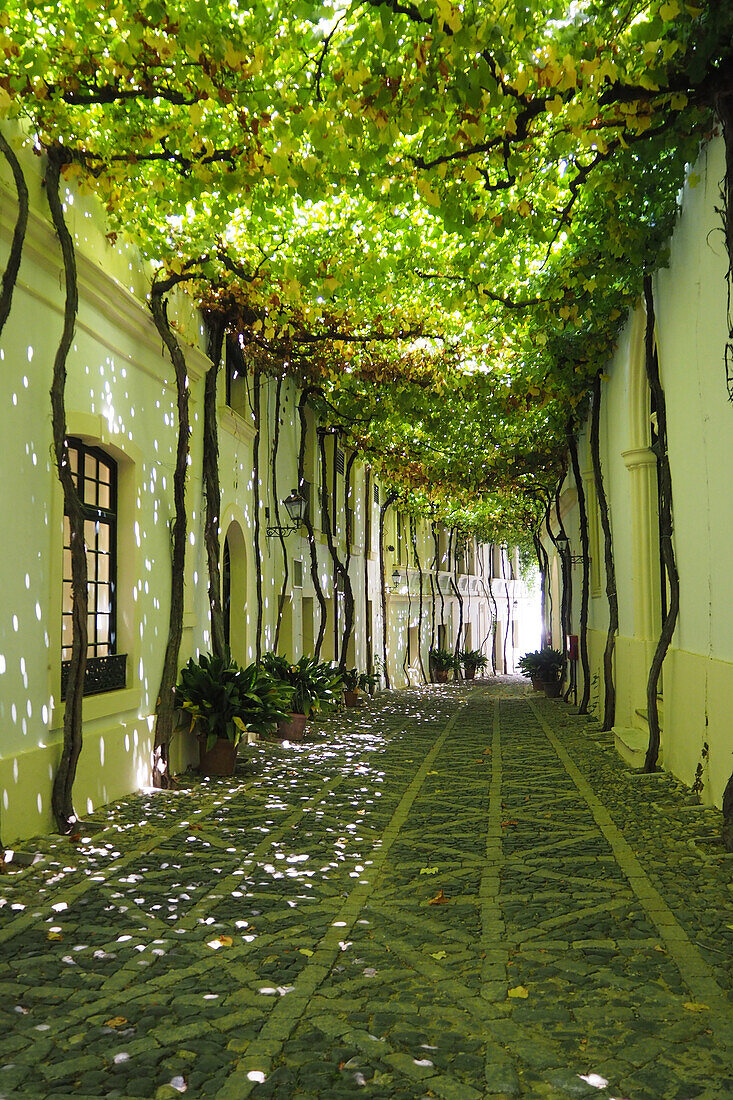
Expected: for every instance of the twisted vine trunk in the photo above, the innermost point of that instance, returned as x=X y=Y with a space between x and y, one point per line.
x=418 y=563
x=389 y=499
x=609 y=700
x=10 y=275
x=566 y=602
x=276 y=504
x=338 y=565
x=585 y=583
x=456 y=588
x=212 y=489
x=665 y=530
x=367 y=548
x=309 y=523
x=437 y=575
x=508 y=610
x=495 y=607
x=542 y=566
x=433 y=570
x=256 y=400
x=165 y=710
x=62 y=803
x=482 y=578
x=348 y=587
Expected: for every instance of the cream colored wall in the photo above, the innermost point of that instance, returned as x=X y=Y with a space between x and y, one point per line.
x=120 y=396
x=690 y=308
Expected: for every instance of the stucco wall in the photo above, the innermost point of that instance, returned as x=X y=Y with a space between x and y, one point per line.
x=697 y=686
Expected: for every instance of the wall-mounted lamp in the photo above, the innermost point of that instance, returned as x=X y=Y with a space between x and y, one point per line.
x=396 y=578
x=563 y=545
x=296 y=507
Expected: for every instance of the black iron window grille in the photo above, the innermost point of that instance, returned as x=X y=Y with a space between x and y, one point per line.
x=95 y=476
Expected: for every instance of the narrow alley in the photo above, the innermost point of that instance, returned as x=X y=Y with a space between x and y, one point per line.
x=456 y=893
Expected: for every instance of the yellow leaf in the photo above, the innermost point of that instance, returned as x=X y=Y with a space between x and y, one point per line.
x=669 y=11
x=695 y=1006
x=54 y=936
x=439 y=899
x=116 y=1021
x=438 y=954
x=519 y=991
x=306 y=951
x=678 y=101
x=431 y=197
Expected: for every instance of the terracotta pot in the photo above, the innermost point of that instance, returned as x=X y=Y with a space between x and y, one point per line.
x=294 y=729
x=220 y=759
x=441 y=675
x=537 y=684
x=469 y=672
x=352 y=698
x=553 y=690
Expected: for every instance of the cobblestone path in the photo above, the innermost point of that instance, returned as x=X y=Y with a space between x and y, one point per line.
x=456 y=893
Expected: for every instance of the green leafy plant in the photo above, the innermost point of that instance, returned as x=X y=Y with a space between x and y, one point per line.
x=472 y=658
x=224 y=700
x=353 y=680
x=314 y=684
x=442 y=660
x=530 y=664
x=550 y=663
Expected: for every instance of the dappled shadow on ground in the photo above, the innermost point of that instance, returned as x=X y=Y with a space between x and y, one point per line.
x=454 y=892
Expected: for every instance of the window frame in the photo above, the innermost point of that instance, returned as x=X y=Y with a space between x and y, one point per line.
x=105 y=672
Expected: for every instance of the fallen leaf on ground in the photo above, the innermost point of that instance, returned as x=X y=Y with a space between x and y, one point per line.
x=438 y=955
x=428 y=870
x=696 y=1006
x=54 y=936
x=439 y=899
x=487 y=752
x=306 y=951
x=116 y=1021
x=519 y=991
x=505 y=823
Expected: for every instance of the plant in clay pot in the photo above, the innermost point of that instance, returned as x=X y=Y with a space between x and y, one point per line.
x=442 y=663
x=530 y=665
x=473 y=661
x=355 y=684
x=313 y=684
x=226 y=702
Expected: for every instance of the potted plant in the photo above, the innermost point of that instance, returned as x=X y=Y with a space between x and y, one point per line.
x=224 y=702
x=355 y=684
x=472 y=661
x=551 y=669
x=442 y=663
x=314 y=684
x=530 y=665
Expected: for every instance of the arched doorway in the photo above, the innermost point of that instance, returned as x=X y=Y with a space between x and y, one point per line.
x=234 y=592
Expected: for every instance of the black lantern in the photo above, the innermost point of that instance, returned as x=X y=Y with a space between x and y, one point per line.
x=563 y=545
x=296 y=507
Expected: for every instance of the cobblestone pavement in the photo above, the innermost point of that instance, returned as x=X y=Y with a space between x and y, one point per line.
x=456 y=893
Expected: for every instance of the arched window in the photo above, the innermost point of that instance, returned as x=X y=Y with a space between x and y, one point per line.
x=95 y=475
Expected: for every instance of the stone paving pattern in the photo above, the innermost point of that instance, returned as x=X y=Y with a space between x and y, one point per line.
x=456 y=892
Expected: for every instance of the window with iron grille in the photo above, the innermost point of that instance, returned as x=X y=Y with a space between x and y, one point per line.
x=297 y=572
x=95 y=476
x=340 y=461
x=376 y=493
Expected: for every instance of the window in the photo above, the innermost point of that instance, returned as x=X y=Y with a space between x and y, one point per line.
x=95 y=475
